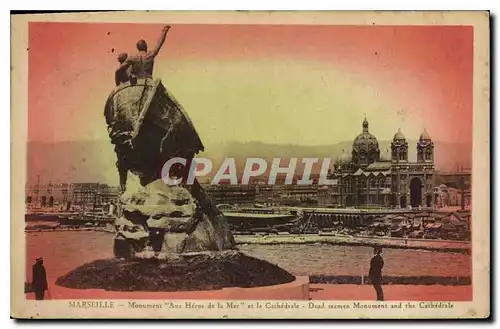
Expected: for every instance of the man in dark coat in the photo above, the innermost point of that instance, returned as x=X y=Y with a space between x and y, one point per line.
x=39 y=282
x=376 y=265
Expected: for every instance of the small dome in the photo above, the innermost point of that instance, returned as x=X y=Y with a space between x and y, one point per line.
x=365 y=124
x=424 y=136
x=399 y=135
x=344 y=157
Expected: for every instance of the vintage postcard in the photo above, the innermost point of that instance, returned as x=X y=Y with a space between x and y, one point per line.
x=313 y=165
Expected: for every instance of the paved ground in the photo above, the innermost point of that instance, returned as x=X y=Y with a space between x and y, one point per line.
x=317 y=292
x=391 y=292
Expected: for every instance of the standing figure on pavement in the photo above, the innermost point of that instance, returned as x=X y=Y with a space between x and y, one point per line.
x=39 y=279
x=375 y=274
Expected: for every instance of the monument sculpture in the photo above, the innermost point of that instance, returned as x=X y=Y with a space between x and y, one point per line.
x=148 y=127
x=168 y=237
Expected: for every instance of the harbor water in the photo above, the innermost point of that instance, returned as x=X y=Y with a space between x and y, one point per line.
x=64 y=251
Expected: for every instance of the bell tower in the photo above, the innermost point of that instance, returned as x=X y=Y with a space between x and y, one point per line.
x=425 y=148
x=399 y=148
x=399 y=161
x=425 y=160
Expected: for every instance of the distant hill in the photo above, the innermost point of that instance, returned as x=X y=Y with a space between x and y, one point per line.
x=72 y=161
x=447 y=155
x=94 y=161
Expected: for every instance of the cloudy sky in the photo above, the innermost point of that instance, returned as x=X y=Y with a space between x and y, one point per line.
x=308 y=85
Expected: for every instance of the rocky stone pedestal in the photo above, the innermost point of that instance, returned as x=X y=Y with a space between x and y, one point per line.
x=168 y=220
x=188 y=272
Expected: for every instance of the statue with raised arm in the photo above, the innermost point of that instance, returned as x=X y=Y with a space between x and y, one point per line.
x=143 y=61
x=167 y=237
x=148 y=127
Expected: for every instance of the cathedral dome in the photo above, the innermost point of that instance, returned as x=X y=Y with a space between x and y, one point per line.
x=365 y=141
x=399 y=136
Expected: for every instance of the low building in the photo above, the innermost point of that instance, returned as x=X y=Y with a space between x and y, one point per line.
x=63 y=194
x=48 y=195
x=231 y=194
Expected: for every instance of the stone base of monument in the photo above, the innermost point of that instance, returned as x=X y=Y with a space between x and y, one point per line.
x=295 y=290
x=229 y=273
x=167 y=219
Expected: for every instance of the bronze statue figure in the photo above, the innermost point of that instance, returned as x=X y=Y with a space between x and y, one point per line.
x=148 y=127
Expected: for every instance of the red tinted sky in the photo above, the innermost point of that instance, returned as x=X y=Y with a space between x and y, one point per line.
x=423 y=74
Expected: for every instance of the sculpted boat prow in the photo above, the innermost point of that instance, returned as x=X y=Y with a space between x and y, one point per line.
x=148 y=126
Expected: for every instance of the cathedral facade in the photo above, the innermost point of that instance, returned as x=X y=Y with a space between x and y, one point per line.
x=364 y=179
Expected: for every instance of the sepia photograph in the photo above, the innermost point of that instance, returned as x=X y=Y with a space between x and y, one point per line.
x=250 y=165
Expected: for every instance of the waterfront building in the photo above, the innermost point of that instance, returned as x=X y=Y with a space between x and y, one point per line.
x=94 y=193
x=64 y=194
x=455 y=187
x=48 y=195
x=298 y=192
x=364 y=179
x=231 y=194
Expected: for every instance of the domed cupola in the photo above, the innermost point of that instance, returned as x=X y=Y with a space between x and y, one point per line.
x=343 y=162
x=399 y=136
x=365 y=149
x=399 y=147
x=425 y=148
x=365 y=125
x=344 y=157
x=424 y=136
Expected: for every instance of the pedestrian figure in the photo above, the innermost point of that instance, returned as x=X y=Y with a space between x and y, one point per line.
x=375 y=274
x=39 y=280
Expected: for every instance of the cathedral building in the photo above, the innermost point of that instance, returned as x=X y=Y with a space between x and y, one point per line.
x=364 y=179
